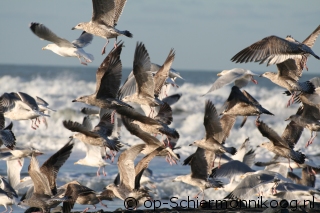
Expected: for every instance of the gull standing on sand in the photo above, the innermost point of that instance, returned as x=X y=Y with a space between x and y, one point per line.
x=62 y=46
x=104 y=18
x=240 y=77
x=275 y=50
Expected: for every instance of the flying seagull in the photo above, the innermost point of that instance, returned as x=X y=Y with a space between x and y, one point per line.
x=275 y=50
x=240 y=77
x=104 y=18
x=62 y=46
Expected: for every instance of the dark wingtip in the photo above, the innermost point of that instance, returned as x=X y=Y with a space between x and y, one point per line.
x=128 y=34
x=33 y=26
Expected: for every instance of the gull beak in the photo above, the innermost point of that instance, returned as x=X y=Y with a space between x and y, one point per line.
x=258 y=146
x=73 y=28
x=71 y=136
x=75 y=100
x=43 y=48
x=219 y=74
x=287 y=119
x=261 y=75
x=191 y=144
x=38 y=153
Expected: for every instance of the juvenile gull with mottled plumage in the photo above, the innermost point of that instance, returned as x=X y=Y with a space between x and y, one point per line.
x=104 y=18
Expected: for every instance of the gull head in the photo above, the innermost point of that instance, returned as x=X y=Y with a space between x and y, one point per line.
x=292 y=118
x=111 y=186
x=79 y=26
x=177 y=179
x=49 y=47
x=267 y=145
x=269 y=75
x=80 y=162
x=83 y=99
x=126 y=98
x=195 y=143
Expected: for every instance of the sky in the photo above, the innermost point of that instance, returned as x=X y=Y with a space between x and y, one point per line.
x=204 y=34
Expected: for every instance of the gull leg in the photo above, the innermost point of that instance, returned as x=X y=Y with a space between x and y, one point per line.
x=103 y=171
x=11 y=210
x=81 y=62
x=196 y=196
x=104 y=47
x=214 y=160
x=219 y=162
x=311 y=139
x=32 y=125
x=169 y=143
x=98 y=172
x=291 y=100
x=112 y=116
x=289 y=165
x=102 y=204
x=86 y=209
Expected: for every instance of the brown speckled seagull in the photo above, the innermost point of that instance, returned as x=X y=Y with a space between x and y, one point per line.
x=104 y=18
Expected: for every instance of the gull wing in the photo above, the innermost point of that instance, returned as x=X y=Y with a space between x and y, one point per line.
x=45 y=33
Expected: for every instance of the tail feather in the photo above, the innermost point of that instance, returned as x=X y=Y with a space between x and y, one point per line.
x=127 y=33
x=298 y=157
x=170 y=132
x=215 y=184
x=231 y=150
x=307 y=87
x=265 y=111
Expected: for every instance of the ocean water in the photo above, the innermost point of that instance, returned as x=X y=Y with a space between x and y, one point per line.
x=60 y=85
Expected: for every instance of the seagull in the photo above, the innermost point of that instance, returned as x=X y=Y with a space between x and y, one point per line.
x=82 y=195
x=288 y=81
x=275 y=50
x=99 y=136
x=7 y=137
x=20 y=106
x=108 y=80
x=152 y=142
x=44 y=180
x=129 y=186
x=242 y=104
x=95 y=157
x=145 y=93
x=105 y=16
x=130 y=85
x=8 y=195
x=213 y=127
x=308 y=117
x=200 y=168
x=253 y=183
x=278 y=145
x=62 y=46
x=240 y=77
